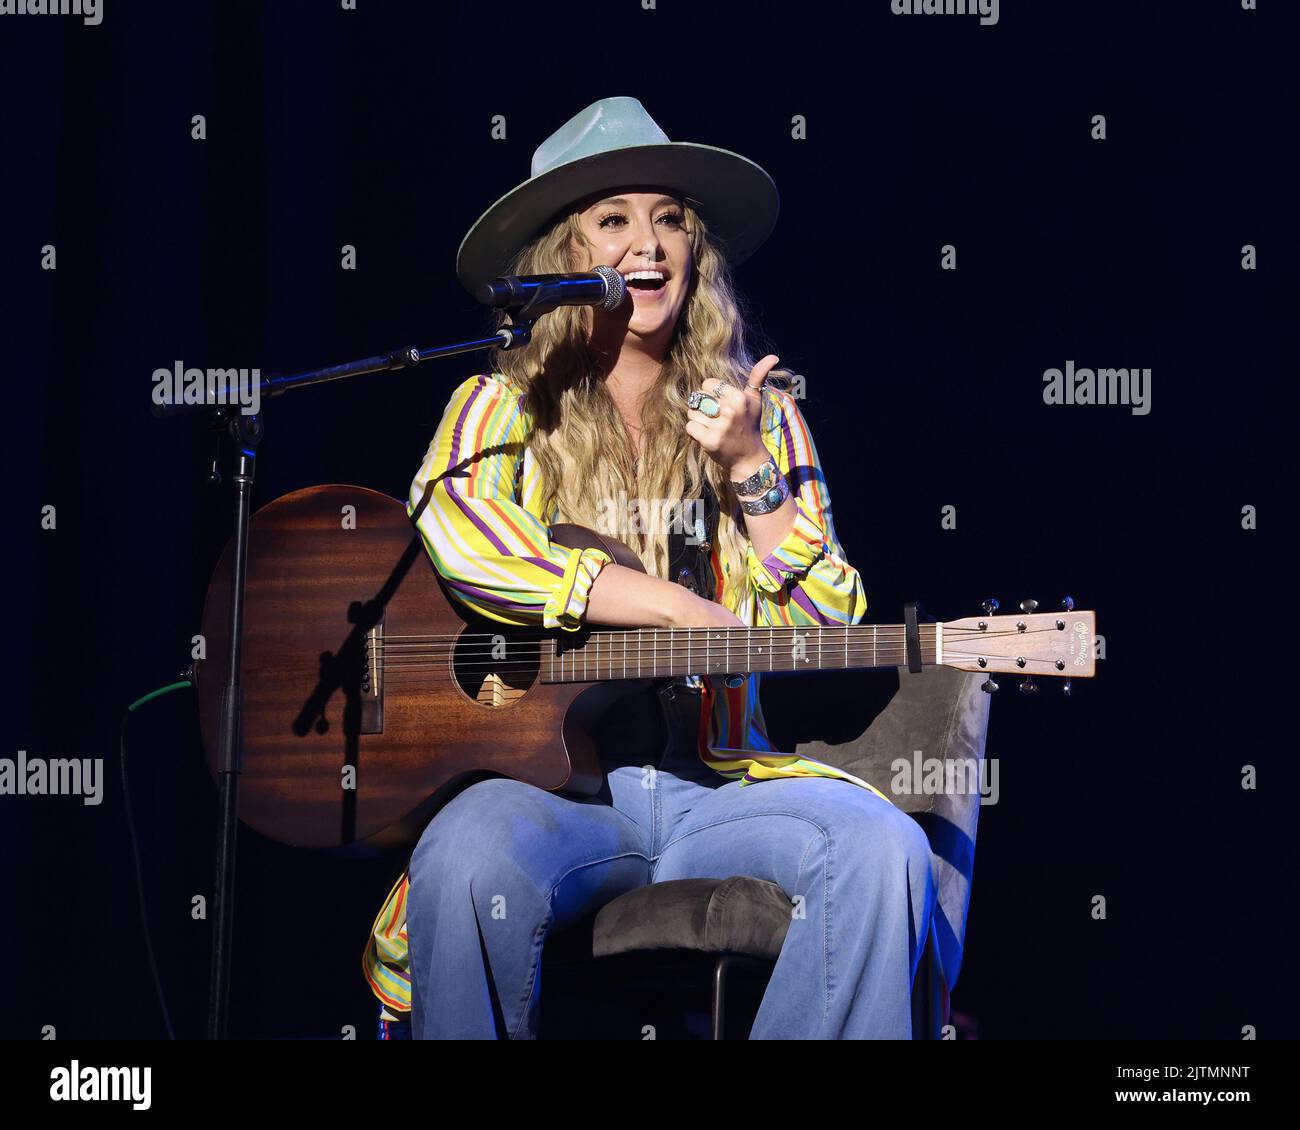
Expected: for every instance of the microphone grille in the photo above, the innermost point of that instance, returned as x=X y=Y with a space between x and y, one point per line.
x=615 y=288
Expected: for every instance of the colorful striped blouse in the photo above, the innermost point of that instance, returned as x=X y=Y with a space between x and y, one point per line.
x=485 y=530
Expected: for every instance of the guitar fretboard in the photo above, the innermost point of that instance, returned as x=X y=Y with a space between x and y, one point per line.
x=651 y=653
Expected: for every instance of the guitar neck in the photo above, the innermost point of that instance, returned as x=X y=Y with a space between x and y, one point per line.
x=651 y=653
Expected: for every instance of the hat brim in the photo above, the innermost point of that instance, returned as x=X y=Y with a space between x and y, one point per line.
x=736 y=197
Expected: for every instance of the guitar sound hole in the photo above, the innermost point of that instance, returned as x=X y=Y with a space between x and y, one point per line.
x=495 y=669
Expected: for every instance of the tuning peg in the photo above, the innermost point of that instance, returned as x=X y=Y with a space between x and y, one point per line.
x=1028 y=605
x=990 y=606
x=988 y=686
x=1028 y=686
x=1065 y=688
x=1068 y=604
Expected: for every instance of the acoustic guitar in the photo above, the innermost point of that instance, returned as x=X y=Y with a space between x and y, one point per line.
x=371 y=695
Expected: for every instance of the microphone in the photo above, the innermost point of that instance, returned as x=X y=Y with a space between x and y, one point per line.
x=533 y=295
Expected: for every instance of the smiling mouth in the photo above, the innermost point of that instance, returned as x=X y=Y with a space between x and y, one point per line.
x=646 y=290
x=645 y=279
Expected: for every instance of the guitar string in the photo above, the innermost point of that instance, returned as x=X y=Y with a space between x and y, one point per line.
x=724 y=662
x=868 y=657
x=535 y=647
x=535 y=653
x=718 y=663
x=542 y=651
x=732 y=664
x=646 y=658
x=672 y=646
x=528 y=678
x=855 y=629
x=492 y=639
x=533 y=675
x=611 y=663
x=642 y=645
x=593 y=643
x=418 y=656
x=612 y=629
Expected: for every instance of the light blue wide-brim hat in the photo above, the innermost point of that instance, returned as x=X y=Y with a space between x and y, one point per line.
x=615 y=144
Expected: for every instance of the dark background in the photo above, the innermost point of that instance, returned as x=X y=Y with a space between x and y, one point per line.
x=371 y=127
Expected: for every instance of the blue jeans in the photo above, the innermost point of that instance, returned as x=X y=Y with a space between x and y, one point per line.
x=504 y=863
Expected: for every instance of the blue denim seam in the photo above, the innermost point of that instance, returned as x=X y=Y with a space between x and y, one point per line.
x=826 y=894
x=747 y=816
x=656 y=811
x=538 y=935
x=545 y=924
x=826 y=918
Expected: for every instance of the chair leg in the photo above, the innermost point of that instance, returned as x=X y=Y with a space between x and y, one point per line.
x=721 y=968
x=719 y=996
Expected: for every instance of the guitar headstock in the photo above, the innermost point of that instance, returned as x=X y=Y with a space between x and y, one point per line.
x=1056 y=644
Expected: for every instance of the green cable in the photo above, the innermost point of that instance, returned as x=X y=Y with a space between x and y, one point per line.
x=135 y=850
x=159 y=692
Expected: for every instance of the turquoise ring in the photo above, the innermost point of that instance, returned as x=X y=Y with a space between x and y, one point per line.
x=704 y=403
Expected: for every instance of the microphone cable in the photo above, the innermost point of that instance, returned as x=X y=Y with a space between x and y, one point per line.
x=135 y=844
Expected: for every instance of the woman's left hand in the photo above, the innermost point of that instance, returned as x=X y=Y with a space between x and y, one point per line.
x=732 y=437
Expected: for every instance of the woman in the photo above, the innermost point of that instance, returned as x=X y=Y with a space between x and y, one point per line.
x=602 y=420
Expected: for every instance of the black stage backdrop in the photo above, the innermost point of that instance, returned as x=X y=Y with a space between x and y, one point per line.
x=327 y=126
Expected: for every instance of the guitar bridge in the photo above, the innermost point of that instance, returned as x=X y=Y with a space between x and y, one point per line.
x=372 y=681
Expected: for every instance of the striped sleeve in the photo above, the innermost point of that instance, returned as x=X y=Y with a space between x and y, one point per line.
x=495 y=556
x=805 y=579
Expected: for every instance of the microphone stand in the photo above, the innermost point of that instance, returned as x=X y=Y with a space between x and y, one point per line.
x=247 y=431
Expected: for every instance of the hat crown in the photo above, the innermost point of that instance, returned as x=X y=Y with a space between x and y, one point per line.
x=611 y=123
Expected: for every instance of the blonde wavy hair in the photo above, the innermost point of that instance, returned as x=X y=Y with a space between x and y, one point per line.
x=578 y=437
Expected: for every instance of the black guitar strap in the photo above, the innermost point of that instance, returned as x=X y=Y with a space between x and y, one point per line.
x=912 y=636
x=690 y=541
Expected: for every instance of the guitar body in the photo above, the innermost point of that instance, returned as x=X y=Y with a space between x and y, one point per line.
x=370 y=695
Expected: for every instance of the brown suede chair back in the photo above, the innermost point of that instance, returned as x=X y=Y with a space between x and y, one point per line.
x=942 y=713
